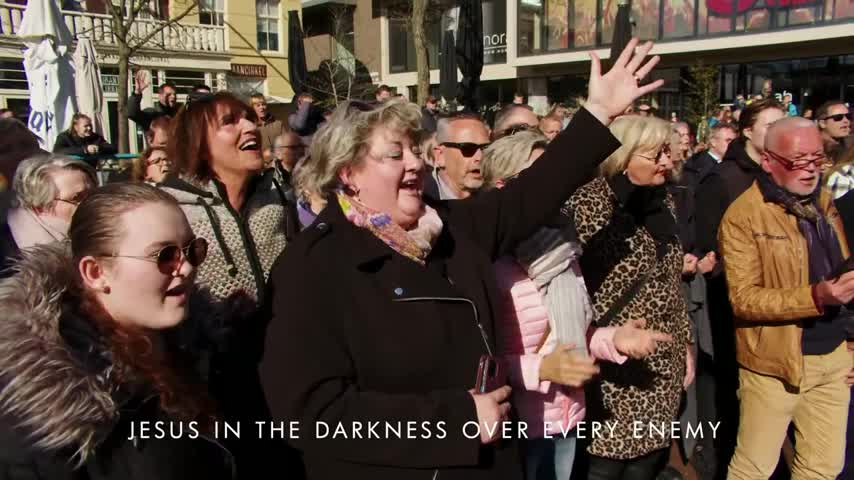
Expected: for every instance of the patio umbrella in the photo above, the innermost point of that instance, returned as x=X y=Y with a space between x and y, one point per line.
x=622 y=30
x=297 y=69
x=448 y=68
x=50 y=72
x=90 y=93
x=470 y=49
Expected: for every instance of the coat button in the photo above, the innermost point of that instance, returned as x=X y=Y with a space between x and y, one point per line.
x=398 y=291
x=321 y=226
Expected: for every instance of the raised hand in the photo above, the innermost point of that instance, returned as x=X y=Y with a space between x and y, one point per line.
x=632 y=340
x=140 y=82
x=609 y=95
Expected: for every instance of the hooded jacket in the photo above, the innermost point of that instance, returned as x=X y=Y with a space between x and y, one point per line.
x=63 y=414
x=242 y=248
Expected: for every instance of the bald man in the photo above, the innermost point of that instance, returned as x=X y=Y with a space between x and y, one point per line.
x=551 y=125
x=781 y=251
x=514 y=118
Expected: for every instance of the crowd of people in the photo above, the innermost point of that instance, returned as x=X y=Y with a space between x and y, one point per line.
x=386 y=263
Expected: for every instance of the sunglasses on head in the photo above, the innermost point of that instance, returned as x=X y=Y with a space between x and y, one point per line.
x=514 y=129
x=170 y=258
x=468 y=149
x=838 y=117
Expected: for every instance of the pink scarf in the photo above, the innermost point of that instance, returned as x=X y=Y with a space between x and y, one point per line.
x=415 y=244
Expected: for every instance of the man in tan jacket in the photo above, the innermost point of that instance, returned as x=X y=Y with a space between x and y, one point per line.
x=268 y=125
x=781 y=250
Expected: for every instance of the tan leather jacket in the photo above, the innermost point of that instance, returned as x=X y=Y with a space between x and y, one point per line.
x=767 y=271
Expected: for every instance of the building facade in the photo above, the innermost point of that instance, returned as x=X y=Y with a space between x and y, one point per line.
x=239 y=45
x=540 y=47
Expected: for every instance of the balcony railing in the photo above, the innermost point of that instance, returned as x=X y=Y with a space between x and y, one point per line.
x=98 y=27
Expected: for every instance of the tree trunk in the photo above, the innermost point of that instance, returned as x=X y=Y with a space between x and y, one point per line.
x=124 y=60
x=419 y=8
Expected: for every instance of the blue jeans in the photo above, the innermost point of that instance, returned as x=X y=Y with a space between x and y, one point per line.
x=550 y=458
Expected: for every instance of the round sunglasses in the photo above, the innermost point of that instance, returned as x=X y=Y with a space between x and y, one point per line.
x=170 y=258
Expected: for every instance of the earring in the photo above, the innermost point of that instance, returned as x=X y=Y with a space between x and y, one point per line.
x=106 y=289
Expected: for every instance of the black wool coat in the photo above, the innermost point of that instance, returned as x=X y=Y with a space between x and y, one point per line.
x=361 y=333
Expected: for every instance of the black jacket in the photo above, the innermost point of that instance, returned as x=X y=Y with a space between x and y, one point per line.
x=59 y=396
x=361 y=333
x=69 y=143
x=144 y=117
x=718 y=189
x=697 y=167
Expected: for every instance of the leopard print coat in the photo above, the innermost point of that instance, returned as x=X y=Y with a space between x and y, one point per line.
x=641 y=397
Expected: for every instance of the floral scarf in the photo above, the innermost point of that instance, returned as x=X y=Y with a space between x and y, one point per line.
x=415 y=244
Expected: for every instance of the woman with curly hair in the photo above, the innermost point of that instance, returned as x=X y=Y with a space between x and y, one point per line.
x=84 y=357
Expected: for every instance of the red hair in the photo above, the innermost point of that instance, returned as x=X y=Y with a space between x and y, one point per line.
x=188 y=141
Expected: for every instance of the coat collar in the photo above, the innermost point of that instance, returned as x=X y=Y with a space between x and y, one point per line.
x=366 y=248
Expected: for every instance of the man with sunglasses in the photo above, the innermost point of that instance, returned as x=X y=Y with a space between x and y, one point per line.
x=512 y=119
x=460 y=142
x=782 y=249
x=834 y=120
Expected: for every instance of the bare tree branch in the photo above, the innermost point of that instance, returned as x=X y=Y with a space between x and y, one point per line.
x=161 y=26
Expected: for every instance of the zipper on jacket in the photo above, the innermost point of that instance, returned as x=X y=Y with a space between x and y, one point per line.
x=249 y=248
x=455 y=299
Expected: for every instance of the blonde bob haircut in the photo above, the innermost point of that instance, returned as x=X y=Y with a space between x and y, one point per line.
x=635 y=133
x=509 y=155
x=343 y=140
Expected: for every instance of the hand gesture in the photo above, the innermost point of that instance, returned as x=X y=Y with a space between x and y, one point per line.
x=141 y=82
x=565 y=367
x=689 y=264
x=707 y=263
x=690 y=366
x=609 y=95
x=837 y=291
x=492 y=409
x=633 y=341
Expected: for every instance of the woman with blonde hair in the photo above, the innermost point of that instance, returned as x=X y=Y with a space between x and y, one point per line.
x=399 y=325
x=546 y=305
x=632 y=266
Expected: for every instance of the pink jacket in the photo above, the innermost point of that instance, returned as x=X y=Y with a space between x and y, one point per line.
x=543 y=406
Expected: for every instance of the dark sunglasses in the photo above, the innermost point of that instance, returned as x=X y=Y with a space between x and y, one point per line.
x=838 y=117
x=468 y=149
x=170 y=258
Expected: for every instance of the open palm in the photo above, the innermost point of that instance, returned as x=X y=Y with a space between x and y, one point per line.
x=610 y=94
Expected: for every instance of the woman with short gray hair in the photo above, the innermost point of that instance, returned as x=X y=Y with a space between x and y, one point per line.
x=47 y=189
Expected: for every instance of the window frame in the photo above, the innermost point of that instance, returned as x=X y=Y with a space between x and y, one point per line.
x=267 y=18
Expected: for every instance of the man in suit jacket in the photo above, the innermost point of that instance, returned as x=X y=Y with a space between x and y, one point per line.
x=719 y=139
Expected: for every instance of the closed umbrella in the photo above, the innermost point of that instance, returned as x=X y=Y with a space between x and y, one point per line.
x=448 y=68
x=50 y=72
x=470 y=49
x=90 y=93
x=296 y=53
x=622 y=29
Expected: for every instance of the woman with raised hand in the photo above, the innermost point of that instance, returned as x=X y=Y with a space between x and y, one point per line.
x=385 y=308
x=85 y=360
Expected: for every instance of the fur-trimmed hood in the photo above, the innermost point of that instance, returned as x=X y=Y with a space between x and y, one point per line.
x=55 y=372
x=62 y=404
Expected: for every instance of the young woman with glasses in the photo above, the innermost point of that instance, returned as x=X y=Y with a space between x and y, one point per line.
x=85 y=357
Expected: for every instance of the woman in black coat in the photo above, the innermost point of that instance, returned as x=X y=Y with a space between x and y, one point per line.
x=384 y=307
x=84 y=358
x=81 y=141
